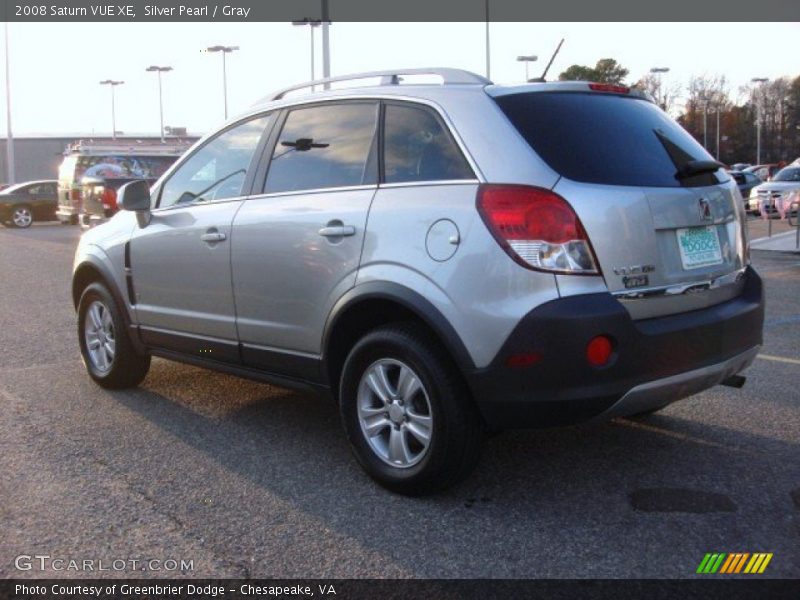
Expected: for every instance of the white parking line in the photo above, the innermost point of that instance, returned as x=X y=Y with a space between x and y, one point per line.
x=791 y=361
x=774 y=236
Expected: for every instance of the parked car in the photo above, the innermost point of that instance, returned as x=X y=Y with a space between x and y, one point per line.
x=788 y=204
x=443 y=260
x=739 y=166
x=765 y=196
x=765 y=172
x=92 y=170
x=745 y=182
x=24 y=203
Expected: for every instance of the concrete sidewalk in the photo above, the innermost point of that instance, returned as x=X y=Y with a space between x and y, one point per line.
x=779 y=242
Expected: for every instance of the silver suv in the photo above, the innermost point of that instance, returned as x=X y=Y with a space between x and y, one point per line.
x=442 y=259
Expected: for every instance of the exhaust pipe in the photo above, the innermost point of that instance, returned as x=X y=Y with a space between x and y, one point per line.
x=734 y=381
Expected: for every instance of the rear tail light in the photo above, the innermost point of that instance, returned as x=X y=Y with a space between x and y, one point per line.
x=76 y=194
x=537 y=228
x=109 y=198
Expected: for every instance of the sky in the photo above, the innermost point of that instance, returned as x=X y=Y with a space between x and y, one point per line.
x=56 y=67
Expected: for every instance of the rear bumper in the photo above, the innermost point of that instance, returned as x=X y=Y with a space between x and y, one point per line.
x=67 y=214
x=655 y=362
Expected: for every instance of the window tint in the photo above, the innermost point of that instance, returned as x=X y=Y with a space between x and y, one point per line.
x=417 y=147
x=788 y=174
x=218 y=169
x=324 y=146
x=603 y=138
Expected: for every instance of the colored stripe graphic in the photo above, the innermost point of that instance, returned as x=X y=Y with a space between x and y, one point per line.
x=703 y=563
x=733 y=563
x=730 y=563
x=741 y=563
x=758 y=563
x=765 y=563
x=711 y=563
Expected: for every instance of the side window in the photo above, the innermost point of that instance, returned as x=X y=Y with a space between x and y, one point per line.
x=218 y=169
x=323 y=147
x=34 y=190
x=417 y=147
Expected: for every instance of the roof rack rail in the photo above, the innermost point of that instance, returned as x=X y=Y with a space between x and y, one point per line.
x=449 y=77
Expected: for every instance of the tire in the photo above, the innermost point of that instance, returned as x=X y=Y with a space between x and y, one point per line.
x=439 y=407
x=115 y=366
x=21 y=216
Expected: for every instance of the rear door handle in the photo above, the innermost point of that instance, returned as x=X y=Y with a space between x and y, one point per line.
x=213 y=237
x=337 y=231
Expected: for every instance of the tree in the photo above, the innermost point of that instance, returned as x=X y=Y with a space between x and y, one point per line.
x=607 y=70
x=664 y=95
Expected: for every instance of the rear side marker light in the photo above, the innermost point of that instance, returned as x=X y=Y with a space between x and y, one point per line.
x=610 y=88
x=523 y=360
x=537 y=228
x=599 y=351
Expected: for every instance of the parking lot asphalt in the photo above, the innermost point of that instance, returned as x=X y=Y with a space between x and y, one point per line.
x=245 y=479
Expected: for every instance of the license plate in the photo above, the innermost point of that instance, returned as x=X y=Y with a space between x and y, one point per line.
x=699 y=247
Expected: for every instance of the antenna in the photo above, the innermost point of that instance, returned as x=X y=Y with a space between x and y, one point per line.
x=541 y=78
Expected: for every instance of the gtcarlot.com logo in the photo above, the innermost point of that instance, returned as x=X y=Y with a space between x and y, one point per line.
x=737 y=562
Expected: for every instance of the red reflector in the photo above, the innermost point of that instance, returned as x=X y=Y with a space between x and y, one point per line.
x=599 y=350
x=523 y=360
x=608 y=87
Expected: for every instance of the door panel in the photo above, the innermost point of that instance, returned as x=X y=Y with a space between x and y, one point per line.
x=288 y=271
x=181 y=282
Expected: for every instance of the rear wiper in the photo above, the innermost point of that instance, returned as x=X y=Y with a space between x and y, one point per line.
x=696 y=167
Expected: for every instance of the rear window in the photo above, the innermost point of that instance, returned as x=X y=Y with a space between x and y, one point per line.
x=788 y=174
x=608 y=139
x=123 y=167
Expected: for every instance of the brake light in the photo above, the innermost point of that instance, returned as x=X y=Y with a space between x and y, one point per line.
x=610 y=88
x=76 y=194
x=109 y=198
x=537 y=228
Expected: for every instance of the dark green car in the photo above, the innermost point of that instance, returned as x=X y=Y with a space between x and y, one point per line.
x=24 y=203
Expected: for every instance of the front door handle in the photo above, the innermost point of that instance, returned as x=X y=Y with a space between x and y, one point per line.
x=337 y=231
x=212 y=237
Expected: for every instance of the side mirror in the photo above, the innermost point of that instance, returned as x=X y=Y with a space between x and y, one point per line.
x=135 y=196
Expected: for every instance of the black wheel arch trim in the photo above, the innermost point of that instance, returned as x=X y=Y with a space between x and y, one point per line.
x=108 y=280
x=409 y=299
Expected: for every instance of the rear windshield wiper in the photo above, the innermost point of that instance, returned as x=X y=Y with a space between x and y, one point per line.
x=696 y=167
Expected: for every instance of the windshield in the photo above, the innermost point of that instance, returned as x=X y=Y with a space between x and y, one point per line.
x=788 y=174
x=609 y=139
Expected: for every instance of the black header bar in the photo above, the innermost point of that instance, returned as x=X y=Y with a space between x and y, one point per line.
x=404 y=10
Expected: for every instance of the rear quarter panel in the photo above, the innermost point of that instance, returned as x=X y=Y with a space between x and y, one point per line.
x=480 y=290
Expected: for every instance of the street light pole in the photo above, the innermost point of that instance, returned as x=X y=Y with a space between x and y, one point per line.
x=758 y=119
x=488 y=59
x=312 y=24
x=658 y=71
x=160 y=70
x=326 y=44
x=705 y=123
x=527 y=59
x=9 y=136
x=113 y=84
x=225 y=50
